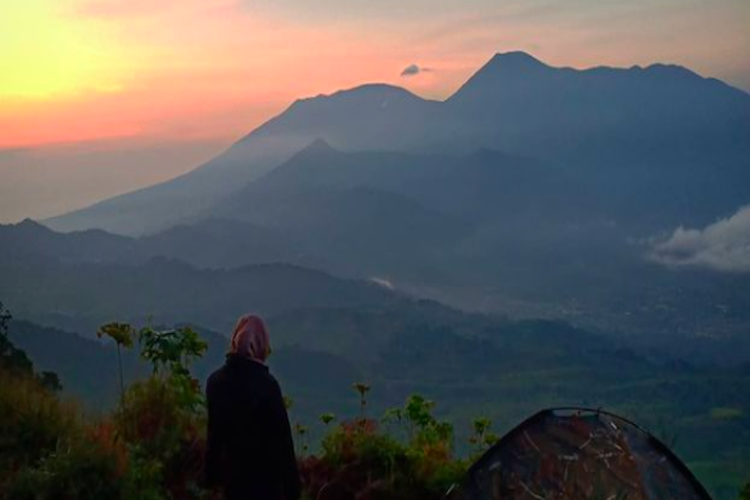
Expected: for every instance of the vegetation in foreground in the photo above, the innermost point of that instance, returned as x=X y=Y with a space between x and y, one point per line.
x=151 y=446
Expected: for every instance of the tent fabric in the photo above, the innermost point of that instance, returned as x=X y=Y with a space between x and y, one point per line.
x=580 y=454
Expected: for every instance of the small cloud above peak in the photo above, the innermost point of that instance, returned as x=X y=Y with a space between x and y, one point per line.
x=413 y=70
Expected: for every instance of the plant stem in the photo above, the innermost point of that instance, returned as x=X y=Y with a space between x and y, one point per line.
x=122 y=384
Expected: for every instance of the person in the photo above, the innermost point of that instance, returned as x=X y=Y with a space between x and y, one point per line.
x=249 y=453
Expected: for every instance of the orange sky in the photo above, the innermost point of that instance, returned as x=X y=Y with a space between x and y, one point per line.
x=197 y=69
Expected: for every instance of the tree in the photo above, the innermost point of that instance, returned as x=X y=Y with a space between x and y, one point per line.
x=12 y=359
x=5 y=318
x=170 y=353
x=16 y=361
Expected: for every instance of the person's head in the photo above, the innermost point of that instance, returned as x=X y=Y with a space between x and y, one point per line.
x=250 y=338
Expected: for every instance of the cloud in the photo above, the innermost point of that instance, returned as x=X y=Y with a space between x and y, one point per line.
x=413 y=70
x=722 y=246
x=383 y=282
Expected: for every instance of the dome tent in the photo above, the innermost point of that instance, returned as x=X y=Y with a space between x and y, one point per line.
x=579 y=454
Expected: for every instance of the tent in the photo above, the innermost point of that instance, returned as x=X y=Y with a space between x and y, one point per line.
x=579 y=454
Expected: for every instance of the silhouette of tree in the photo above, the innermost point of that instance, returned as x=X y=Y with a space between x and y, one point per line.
x=12 y=359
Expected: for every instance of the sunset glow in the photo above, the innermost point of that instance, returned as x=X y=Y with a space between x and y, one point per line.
x=90 y=69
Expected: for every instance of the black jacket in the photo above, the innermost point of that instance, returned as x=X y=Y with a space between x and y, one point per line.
x=250 y=452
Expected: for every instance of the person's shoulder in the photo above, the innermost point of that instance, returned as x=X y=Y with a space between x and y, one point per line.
x=271 y=381
x=216 y=377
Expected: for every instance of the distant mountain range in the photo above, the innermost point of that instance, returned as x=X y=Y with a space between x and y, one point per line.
x=629 y=132
x=533 y=191
x=81 y=280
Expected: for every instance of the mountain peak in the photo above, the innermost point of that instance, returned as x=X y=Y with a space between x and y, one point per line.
x=673 y=71
x=514 y=60
x=319 y=145
x=504 y=67
x=29 y=225
x=369 y=92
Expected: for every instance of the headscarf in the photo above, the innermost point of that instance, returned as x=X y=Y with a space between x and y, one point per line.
x=250 y=338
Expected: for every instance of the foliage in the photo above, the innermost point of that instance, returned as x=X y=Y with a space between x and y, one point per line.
x=302 y=446
x=161 y=418
x=121 y=333
x=422 y=428
x=362 y=389
x=359 y=459
x=170 y=353
x=327 y=418
x=745 y=493
x=482 y=437
x=32 y=423
x=77 y=469
x=12 y=359
x=16 y=362
x=152 y=446
x=5 y=317
x=165 y=435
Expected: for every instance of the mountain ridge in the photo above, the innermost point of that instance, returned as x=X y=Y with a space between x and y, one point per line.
x=566 y=114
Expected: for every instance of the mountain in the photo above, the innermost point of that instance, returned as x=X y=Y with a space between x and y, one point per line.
x=483 y=185
x=623 y=128
x=208 y=243
x=377 y=115
x=533 y=191
x=29 y=239
x=81 y=295
x=528 y=106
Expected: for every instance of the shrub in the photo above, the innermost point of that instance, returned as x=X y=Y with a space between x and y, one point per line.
x=33 y=421
x=162 y=418
x=151 y=448
x=482 y=437
x=152 y=445
x=165 y=437
x=50 y=452
x=78 y=469
x=359 y=460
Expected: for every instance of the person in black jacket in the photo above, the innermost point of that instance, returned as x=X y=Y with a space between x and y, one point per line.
x=250 y=453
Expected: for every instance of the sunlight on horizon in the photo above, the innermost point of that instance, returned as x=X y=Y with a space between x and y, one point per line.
x=83 y=70
x=53 y=55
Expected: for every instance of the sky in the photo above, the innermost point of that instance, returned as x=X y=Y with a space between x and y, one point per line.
x=131 y=92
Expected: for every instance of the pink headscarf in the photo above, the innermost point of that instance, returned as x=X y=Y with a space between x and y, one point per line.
x=250 y=338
